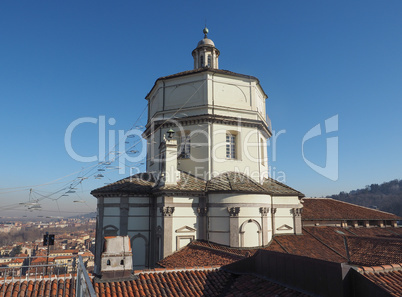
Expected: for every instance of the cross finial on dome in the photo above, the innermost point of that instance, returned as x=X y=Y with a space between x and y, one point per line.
x=205 y=32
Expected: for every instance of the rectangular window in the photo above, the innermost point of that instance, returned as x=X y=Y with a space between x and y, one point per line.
x=230 y=146
x=185 y=145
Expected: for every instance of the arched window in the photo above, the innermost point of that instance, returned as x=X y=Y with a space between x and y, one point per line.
x=209 y=61
x=121 y=262
x=108 y=262
x=202 y=61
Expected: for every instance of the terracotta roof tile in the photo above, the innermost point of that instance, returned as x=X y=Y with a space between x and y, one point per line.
x=389 y=232
x=370 y=251
x=195 y=283
x=305 y=245
x=390 y=281
x=330 y=209
x=197 y=255
x=322 y=242
x=60 y=287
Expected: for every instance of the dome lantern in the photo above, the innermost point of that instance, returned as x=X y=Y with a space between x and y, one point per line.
x=205 y=54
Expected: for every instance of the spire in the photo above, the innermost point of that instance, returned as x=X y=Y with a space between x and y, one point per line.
x=205 y=54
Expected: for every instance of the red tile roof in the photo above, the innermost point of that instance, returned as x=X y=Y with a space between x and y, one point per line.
x=370 y=251
x=305 y=245
x=391 y=281
x=193 y=283
x=321 y=242
x=59 y=288
x=197 y=255
x=330 y=209
x=376 y=232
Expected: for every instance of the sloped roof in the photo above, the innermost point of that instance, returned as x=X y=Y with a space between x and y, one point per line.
x=194 y=283
x=322 y=242
x=390 y=281
x=330 y=209
x=138 y=184
x=370 y=251
x=147 y=183
x=60 y=287
x=276 y=188
x=234 y=182
x=199 y=254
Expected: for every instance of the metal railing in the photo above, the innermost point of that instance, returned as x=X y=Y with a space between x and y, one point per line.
x=74 y=271
x=84 y=286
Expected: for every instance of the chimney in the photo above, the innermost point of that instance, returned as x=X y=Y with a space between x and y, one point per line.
x=116 y=259
x=170 y=174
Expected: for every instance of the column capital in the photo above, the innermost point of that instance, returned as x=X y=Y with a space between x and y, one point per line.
x=264 y=211
x=167 y=211
x=202 y=211
x=297 y=211
x=233 y=211
x=273 y=210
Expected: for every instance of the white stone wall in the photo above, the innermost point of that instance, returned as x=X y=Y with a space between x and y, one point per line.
x=249 y=222
x=215 y=94
x=284 y=217
x=185 y=225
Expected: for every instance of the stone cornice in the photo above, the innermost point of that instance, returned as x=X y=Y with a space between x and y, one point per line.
x=209 y=118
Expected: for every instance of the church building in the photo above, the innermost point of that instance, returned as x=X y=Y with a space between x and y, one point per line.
x=207 y=169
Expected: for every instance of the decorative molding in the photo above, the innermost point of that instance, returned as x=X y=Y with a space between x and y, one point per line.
x=233 y=211
x=185 y=229
x=202 y=211
x=167 y=211
x=207 y=118
x=264 y=211
x=284 y=227
x=273 y=210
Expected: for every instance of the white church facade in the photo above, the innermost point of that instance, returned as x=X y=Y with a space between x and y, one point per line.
x=207 y=169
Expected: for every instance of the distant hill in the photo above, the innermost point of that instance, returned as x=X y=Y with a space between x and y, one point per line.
x=386 y=197
x=84 y=216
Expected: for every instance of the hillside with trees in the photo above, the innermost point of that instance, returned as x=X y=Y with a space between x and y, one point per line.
x=386 y=196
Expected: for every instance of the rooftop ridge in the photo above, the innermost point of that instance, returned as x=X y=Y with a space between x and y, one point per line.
x=365 y=207
x=378 y=269
x=176 y=269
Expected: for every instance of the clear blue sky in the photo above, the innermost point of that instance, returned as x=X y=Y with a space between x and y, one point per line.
x=63 y=60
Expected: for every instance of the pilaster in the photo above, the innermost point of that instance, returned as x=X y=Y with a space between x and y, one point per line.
x=273 y=211
x=297 y=220
x=123 y=216
x=234 y=226
x=264 y=218
x=202 y=212
x=167 y=213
